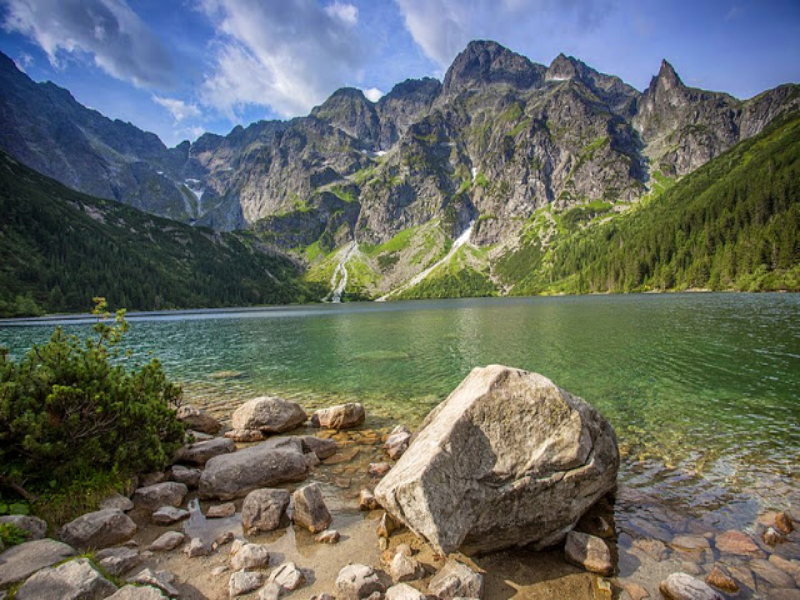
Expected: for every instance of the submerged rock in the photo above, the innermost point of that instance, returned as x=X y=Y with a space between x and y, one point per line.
x=342 y=416
x=99 y=529
x=322 y=448
x=508 y=459
x=682 y=586
x=722 y=580
x=268 y=414
x=783 y=523
x=589 y=552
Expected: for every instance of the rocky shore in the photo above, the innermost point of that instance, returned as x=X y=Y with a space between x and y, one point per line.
x=507 y=489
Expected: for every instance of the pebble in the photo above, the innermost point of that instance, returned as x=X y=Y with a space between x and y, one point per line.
x=378 y=469
x=722 y=580
x=772 y=537
x=221 y=511
x=783 y=523
x=329 y=536
x=196 y=548
x=655 y=549
x=690 y=543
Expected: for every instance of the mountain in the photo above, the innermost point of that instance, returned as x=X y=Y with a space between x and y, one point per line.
x=59 y=248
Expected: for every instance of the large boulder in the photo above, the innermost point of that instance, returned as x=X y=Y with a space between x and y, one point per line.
x=153 y=497
x=99 y=529
x=342 y=416
x=201 y=452
x=21 y=561
x=310 y=510
x=262 y=510
x=74 y=580
x=271 y=415
x=508 y=459
x=229 y=476
x=196 y=419
x=34 y=527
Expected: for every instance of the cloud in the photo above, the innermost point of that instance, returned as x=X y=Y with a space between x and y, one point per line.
x=179 y=109
x=120 y=43
x=373 y=94
x=287 y=55
x=23 y=61
x=443 y=28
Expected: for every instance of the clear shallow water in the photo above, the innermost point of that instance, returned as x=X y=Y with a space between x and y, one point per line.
x=701 y=388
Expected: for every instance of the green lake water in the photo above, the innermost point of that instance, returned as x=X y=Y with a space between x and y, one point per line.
x=702 y=389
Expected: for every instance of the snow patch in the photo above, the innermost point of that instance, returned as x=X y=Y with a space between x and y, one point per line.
x=474 y=173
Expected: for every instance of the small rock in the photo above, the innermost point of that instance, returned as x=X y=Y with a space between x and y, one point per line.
x=655 y=549
x=784 y=594
x=682 y=586
x=22 y=560
x=403 y=591
x=196 y=548
x=783 y=523
x=117 y=561
x=189 y=476
x=167 y=515
x=378 y=469
x=310 y=510
x=358 y=581
x=250 y=556
x=117 y=501
x=405 y=568
x=198 y=436
x=772 y=537
x=244 y=436
x=792 y=567
x=456 y=580
x=35 y=527
x=196 y=419
x=602 y=589
x=386 y=526
x=153 y=478
x=224 y=538
x=243 y=582
x=137 y=592
x=322 y=597
x=722 y=580
x=690 y=543
x=99 y=529
x=220 y=570
x=262 y=510
x=321 y=447
x=397 y=444
x=342 y=416
x=163 y=580
x=769 y=572
x=201 y=452
x=153 y=497
x=168 y=541
x=74 y=580
x=271 y=591
x=734 y=542
x=271 y=415
x=329 y=536
x=366 y=500
x=589 y=552
x=221 y=511
x=288 y=576
x=635 y=591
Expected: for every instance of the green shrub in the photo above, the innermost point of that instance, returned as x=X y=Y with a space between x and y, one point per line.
x=71 y=413
x=11 y=535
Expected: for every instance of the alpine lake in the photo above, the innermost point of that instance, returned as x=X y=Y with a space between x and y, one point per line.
x=702 y=390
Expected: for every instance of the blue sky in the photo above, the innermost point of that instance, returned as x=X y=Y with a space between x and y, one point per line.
x=182 y=67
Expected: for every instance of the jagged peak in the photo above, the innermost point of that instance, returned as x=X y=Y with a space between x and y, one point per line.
x=412 y=86
x=565 y=67
x=667 y=75
x=487 y=62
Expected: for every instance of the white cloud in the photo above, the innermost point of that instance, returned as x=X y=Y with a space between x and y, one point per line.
x=373 y=94
x=179 y=109
x=23 y=61
x=287 y=55
x=107 y=30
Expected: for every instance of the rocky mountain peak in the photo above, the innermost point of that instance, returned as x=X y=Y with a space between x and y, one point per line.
x=564 y=67
x=349 y=110
x=667 y=78
x=485 y=63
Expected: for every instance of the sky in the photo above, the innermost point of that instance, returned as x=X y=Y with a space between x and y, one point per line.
x=180 y=68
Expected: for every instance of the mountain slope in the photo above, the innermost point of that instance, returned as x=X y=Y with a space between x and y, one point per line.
x=59 y=248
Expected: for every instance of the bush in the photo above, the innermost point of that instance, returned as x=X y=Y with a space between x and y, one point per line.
x=70 y=413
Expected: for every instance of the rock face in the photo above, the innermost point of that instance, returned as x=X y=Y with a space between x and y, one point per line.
x=270 y=415
x=262 y=510
x=342 y=416
x=99 y=529
x=229 y=476
x=310 y=510
x=21 y=561
x=508 y=459
x=196 y=419
x=74 y=580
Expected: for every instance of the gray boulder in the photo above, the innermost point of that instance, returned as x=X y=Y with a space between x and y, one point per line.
x=250 y=556
x=310 y=510
x=244 y=582
x=342 y=416
x=21 y=561
x=196 y=548
x=99 y=529
x=163 y=580
x=403 y=591
x=34 y=527
x=508 y=459
x=167 y=541
x=246 y=435
x=74 y=580
x=270 y=415
x=201 y=452
x=196 y=419
x=188 y=476
x=137 y=592
x=118 y=561
x=167 y=515
x=288 y=577
x=119 y=501
x=229 y=476
x=153 y=497
x=262 y=510
x=456 y=580
x=320 y=447
x=358 y=581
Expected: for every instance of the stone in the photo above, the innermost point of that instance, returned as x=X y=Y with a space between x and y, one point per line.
x=237 y=545
x=268 y=414
x=342 y=416
x=162 y=580
x=508 y=459
x=152 y=478
x=655 y=549
x=735 y=542
x=136 y=592
x=772 y=537
x=380 y=469
x=201 y=452
x=153 y=497
x=250 y=556
x=722 y=580
x=288 y=577
x=456 y=580
x=386 y=526
x=743 y=575
x=329 y=536
x=245 y=436
x=224 y=538
x=262 y=510
x=26 y=558
x=792 y=567
x=167 y=515
x=195 y=548
x=690 y=543
x=682 y=586
x=784 y=594
x=34 y=527
x=405 y=568
x=358 y=581
x=221 y=511
x=772 y=574
x=74 y=580
x=189 y=476
x=244 y=582
x=117 y=561
x=635 y=591
x=367 y=501
x=196 y=419
x=99 y=529
x=312 y=460
x=323 y=448
x=276 y=461
x=117 y=501
x=403 y=591
x=271 y=591
x=199 y=436
x=783 y=523
x=589 y=552
x=397 y=444
x=310 y=511
x=167 y=541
